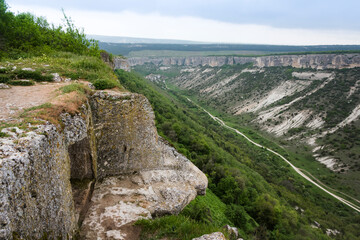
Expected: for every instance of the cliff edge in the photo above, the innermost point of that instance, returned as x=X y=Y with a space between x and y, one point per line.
x=315 y=61
x=104 y=169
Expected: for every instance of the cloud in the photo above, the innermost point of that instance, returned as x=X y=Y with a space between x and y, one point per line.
x=155 y=25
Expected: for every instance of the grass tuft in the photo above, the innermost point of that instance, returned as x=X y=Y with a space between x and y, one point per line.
x=78 y=87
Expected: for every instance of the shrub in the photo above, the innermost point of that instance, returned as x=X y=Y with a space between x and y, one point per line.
x=3 y=70
x=237 y=215
x=102 y=84
x=5 y=78
x=198 y=211
x=36 y=75
x=21 y=82
x=25 y=35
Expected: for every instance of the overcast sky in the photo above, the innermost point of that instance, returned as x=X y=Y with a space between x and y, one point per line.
x=293 y=22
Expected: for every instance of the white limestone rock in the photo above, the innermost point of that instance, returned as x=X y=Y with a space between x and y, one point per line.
x=212 y=236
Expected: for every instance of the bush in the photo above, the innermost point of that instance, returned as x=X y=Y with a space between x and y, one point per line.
x=5 y=78
x=21 y=82
x=36 y=75
x=3 y=70
x=25 y=35
x=237 y=215
x=102 y=84
x=198 y=211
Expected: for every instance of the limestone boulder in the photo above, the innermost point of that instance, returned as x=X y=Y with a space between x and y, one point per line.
x=212 y=236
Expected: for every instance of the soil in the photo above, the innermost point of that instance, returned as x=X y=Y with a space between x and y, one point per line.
x=14 y=100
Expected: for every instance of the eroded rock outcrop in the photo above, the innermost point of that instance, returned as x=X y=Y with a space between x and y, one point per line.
x=35 y=196
x=212 y=236
x=121 y=63
x=316 y=61
x=106 y=168
x=141 y=175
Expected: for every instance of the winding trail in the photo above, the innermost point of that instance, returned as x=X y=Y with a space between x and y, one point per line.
x=346 y=202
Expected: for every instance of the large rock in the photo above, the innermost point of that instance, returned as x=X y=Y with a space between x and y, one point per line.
x=48 y=174
x=121 y=63
x=212 y=236
x=36 y=196
x=35 y=191
x=140 y=175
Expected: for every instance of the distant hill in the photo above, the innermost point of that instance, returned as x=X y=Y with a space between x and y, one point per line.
x=119 y=39
x=140 y=48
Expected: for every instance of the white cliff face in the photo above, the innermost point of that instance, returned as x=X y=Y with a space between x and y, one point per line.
x=316 y=61
x=113 y=140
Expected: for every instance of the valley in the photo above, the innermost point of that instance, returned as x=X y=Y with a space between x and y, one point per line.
x=313 y=113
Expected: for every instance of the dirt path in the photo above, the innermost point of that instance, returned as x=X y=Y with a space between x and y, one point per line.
x=346 y=202
x=17 y=98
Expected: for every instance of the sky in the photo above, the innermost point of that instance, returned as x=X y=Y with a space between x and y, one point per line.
x=280 y=22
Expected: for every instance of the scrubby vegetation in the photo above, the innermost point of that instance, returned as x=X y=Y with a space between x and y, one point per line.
x=258 y=192
x=31 y=42
x=24 y=35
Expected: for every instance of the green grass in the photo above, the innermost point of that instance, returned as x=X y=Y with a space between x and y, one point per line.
x=174 y=227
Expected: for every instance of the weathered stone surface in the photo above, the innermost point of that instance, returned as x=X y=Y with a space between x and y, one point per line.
x=79 y=138
x=113 y=139
x=28 y=69
x=35 y=191
x=141 y=175
x=233 y=231
x=121 y=63
x=4 y=86
x=35 y=170
x=212 y=236
x=120 y=200
x=316 y=61
x=125 y=133
x=81 y=160
x=56 y=77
